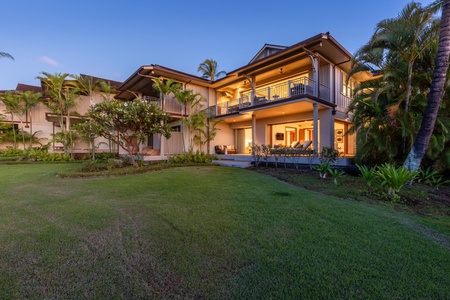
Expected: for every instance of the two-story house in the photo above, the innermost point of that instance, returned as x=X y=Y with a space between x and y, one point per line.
x=287 y=94
x=140 y=85
x=284 y=94
x=40 y=122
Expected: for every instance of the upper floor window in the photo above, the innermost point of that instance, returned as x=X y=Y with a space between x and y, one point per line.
x=347 y=87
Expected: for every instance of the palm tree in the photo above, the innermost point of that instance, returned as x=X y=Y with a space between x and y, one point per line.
x=12 y=104
x=422 y=140
x=29 y=100
x=165 y=87
x=209 y=69
x=187 y=98
x=405 y=38
x=406 y=56
x=7 y=55
x=88 y=86
x=60 y=96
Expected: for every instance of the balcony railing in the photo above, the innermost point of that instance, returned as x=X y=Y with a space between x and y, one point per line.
x=171 y=105
x=276 y=92
x=342 y=101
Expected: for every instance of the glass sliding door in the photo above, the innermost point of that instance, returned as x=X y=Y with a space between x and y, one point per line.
x=243 y=140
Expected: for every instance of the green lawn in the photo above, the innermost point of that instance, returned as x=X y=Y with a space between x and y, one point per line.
x=205 y=232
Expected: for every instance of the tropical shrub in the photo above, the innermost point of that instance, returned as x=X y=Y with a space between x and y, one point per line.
x=265 y=151
x=104 y=156
x=329 y=155
x=324 y=169
x=438 y=181
x=426 y=175
x=198 y=157
x=369 y=175
x=257 y=154
x=11 y=152
x=335 y=174
x=394 y=178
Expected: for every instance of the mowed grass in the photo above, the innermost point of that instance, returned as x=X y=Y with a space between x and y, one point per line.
x=204 y=232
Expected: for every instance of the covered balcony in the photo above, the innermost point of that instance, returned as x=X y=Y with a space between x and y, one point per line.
x=295 y=88
x=170 y=105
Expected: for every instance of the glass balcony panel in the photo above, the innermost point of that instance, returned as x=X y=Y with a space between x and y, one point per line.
x=324 y=92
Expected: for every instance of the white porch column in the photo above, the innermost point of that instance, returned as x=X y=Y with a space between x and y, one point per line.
x=316 y=126
x=253 y=129
x=162 y=149
x=252 y=81
x=332 y=83
x=326 y=131
x=332 y=140
x=316 y=65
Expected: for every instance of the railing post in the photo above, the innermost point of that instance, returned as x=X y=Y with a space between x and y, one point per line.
x=226 y=106
x=268 y=93
x=289 y=89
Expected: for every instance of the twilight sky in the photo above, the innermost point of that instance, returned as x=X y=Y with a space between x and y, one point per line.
x=112 y=39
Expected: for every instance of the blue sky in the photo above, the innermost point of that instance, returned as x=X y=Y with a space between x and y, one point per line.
x=112 y=39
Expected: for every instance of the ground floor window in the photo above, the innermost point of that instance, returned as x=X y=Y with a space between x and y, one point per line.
x=344 y=142
x=285 y=134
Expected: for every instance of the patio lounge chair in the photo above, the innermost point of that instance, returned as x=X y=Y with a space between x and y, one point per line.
x=224 y=149
x=259 y=100
x=303 y=148
x=280 y=149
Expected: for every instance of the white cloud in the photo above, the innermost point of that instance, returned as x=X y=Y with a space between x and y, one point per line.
x=48 y=61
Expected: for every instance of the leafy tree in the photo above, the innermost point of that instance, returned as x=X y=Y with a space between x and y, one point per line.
x=436 y=95
x=133 y=121
x=209 y=69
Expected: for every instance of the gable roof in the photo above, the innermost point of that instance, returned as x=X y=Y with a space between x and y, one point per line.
x=267 y=50
x=112 y=83
x=26 y=87
x=322 y=44
x=141 y=80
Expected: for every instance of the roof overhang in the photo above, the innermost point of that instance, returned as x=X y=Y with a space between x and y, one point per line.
x=142 y=80
x=323 y=45
x=278 y=108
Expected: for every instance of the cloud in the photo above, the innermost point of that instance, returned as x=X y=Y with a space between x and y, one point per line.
x=48 y=61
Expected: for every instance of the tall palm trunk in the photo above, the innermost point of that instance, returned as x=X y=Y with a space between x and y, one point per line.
x=31 y=130
x=420 y=145
x=14 y=132
x=408 y=86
